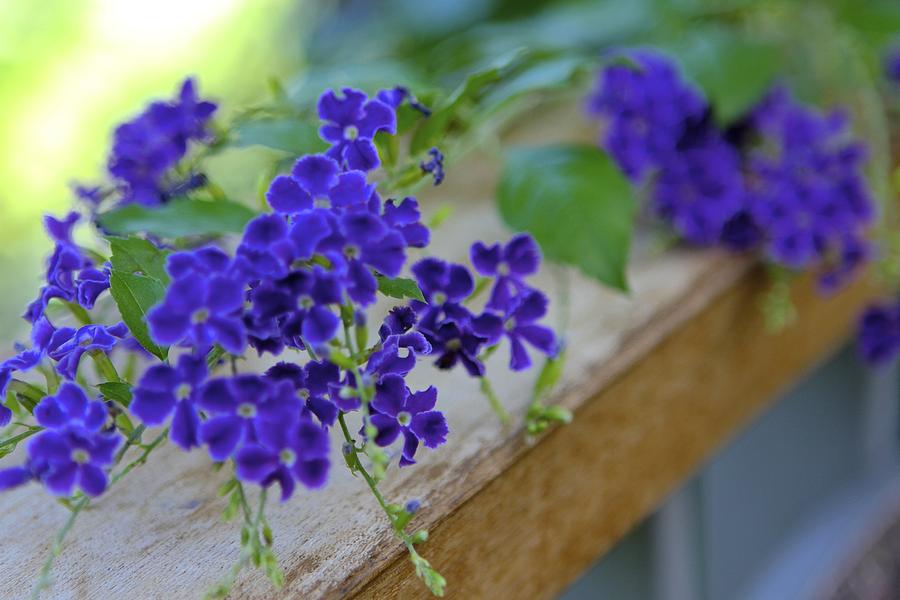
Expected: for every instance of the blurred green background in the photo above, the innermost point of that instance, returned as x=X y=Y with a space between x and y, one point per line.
x=69 y=71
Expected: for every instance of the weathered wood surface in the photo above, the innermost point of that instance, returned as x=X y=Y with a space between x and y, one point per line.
x=657 y=380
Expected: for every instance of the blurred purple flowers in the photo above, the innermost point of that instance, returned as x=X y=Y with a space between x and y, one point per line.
x=145 y=149
x=791 y=185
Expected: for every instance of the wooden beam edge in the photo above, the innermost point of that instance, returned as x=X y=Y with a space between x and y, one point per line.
x=632 y=442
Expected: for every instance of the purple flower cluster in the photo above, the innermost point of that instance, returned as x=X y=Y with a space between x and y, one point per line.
x=647 y=108
x=878 y=338
x=512 y=310
x=792 y=186
x=892 y=63
x=145 y=149
x=73 y=449
x=72 y=277
x=806 y=192
x=298 y=276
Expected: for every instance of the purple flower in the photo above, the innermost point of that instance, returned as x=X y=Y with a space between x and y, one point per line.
x=520 y=327
x=146 y=148
x=286 y=451
x=878 y=340
x=412 y=414
x=313 y=383
x=699 y=187
x=646 y=107
x=68 y=345
x=399 y=319
x=443 y=320
x=238 y=406
x=398 y=353
x=26 y=359
x=202 y=305
x=299 y=306
x=72 y=451
x=317 y=180
x=442 y=283
x=406 y=218
x=351 y=124
x=435 y=165
x=892 y=64
x=70 y=275
x=806 y=191
x=165 y=392
x=509 y=264
x=358 y=242
x=396 y=96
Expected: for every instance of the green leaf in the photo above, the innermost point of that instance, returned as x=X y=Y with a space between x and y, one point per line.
x=399 y=287
x=138 y=257
x=469 y=91
x=733 y=71
x=290 y=135
x=577 y=205
x=178 y=218
x=135 y=295
x=116 y=391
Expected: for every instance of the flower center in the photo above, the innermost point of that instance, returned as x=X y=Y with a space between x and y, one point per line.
x=503 y=269
x=246 y=410
x=453 y=345
x=403 y=352
x=404 y=418
x=304 y=302
x=200 y=316
x=183 y=391
x=439 y=298
x=287 y=457
x=351 y=132
x=510 y=324
x=322 y=202
x=303 y=394
x=351 y=251
x=80 y=456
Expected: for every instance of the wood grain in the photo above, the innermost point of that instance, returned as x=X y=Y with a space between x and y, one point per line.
x=532 y=530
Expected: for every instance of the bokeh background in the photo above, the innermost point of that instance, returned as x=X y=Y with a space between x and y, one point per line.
x=69 y=71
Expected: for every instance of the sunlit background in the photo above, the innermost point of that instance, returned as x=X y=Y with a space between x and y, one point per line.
x=69 y=71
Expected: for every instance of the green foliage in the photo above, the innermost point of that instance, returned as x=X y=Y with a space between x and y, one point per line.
x=734 y=71
x=295 y=136
x=399 y=287
x=576 y=204
x=137 y=283
x=433 y=580
x=138 y=257
x=178 y=218
x=116 y=391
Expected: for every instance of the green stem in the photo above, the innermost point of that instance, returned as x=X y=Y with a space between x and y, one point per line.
x=134 y=437
x=78 y=311
x=22 y=436
x=43 y=581
x=488 y=390
x=140 y=459
x=373 y=485
x=105 y=366
x=28 y=390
